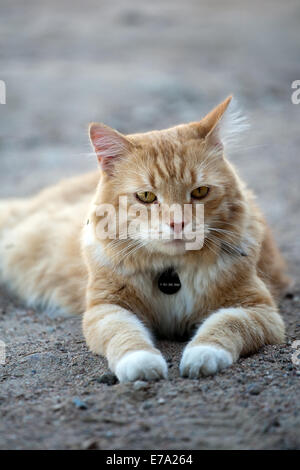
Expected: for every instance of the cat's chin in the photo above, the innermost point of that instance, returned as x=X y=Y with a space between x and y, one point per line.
x=171 y=247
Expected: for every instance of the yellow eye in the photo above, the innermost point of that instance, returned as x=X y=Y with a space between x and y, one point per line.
x=146 y=196
x=200 y=193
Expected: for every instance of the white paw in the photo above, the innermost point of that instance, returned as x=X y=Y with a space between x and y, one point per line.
x=204 y=360
x=141 y=365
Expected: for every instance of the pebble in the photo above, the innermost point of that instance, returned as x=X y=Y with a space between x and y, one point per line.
x=289 y=295
x=140 y=385
x=108 y=379
x=161 y=401
x=80 y=404
x=172 y=393
x=91 y=444
x=147 y=405
x=254 y=389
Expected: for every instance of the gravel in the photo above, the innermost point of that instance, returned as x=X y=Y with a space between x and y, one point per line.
x=136 y=66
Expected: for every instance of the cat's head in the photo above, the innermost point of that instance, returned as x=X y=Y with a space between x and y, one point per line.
x=183 y=165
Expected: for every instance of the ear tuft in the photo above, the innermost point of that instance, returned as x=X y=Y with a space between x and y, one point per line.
x=109 y=145
x=231 y=125
x=222 y=126
x=211 y=120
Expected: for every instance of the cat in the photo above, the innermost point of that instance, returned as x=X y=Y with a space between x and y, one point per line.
x=224 y=301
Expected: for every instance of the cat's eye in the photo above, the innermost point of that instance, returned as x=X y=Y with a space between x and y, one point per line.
x=146 y=196
x=200 y=193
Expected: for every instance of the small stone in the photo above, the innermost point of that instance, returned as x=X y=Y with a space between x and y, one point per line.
x=289 y=295
x=57 y=406
x=91 y=444
x=80 y=404
x=254 y=389
x=108 y=379
x=161 y=401
x=147 y=405
x=172 y=393
x=109 y=434
x=144 y=426
x=140 y=385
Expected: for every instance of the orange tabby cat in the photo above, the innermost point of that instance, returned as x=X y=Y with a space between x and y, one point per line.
x=52 y=255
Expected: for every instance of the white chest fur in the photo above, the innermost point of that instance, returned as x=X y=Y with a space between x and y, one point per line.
x=171 y=314
x=175 y=314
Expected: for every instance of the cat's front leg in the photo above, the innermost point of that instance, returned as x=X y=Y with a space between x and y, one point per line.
x=121 y=337
x=227 y=334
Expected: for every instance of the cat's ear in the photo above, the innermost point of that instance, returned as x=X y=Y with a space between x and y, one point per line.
x=221 y=126
x=109 y=145
x=212 y=124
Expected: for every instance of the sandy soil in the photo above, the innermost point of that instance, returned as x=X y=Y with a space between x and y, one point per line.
x=139 y=65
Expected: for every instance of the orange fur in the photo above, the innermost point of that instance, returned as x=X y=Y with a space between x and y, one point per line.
x=226 y=297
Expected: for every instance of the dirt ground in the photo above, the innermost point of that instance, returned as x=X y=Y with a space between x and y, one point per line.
x=137 y=65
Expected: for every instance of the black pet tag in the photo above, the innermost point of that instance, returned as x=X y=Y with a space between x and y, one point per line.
x=169 y=282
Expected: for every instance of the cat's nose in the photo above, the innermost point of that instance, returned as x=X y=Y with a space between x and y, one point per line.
x=177 y=227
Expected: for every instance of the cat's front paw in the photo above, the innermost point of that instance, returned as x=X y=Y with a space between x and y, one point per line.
x=141 y=365
x=204 y=360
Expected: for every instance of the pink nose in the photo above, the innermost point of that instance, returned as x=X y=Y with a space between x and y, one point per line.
x=177 y=227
